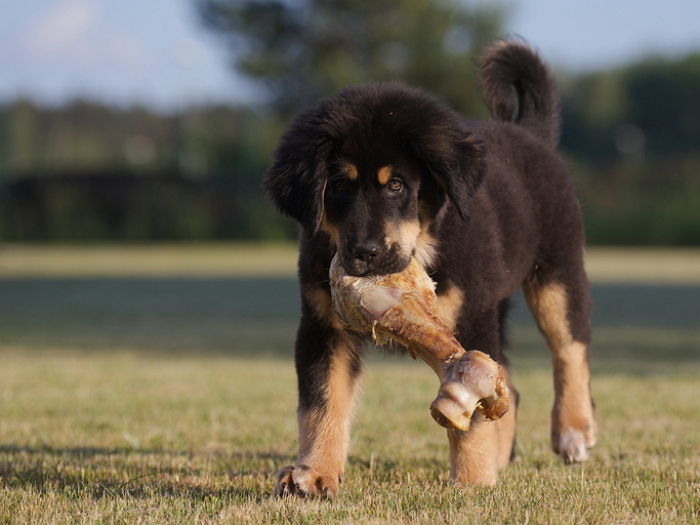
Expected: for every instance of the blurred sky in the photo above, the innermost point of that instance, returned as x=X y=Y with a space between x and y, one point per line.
x=157 y=52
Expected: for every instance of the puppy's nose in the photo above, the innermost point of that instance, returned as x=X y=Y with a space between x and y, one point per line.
x=366 y=252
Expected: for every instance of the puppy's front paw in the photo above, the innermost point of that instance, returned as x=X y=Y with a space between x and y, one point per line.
x=572 y=446
x=304 y=481
x=573 y=442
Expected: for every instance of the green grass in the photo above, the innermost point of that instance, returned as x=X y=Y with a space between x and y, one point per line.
x=170 y=397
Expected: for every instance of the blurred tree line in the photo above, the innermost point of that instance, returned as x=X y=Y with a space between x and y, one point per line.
x=87 y=171
x=633 y=136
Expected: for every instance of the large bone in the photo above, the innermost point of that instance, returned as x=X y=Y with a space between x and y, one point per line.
x=401 y=308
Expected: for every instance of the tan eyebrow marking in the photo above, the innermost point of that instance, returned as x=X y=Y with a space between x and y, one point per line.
x=384 y=174
x=350 y=171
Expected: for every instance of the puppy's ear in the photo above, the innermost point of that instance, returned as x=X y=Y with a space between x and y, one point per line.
x=297 y=179
x=457 y=164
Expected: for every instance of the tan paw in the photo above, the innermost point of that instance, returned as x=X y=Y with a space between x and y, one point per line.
x=304 y=481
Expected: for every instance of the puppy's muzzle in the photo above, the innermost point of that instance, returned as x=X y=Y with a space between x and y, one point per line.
x=363 y=258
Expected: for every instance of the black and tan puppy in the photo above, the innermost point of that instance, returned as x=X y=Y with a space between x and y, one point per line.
x=384 y=172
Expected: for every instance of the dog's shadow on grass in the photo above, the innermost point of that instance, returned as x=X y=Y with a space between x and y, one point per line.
x=126 y=472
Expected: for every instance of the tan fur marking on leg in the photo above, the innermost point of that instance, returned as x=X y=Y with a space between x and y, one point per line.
x=572 y=403
x=505 y=433
x=324 y=433
x=572 y=410
x=548 y=303
x=449 y=305
x=474 y=454
x=384 y=174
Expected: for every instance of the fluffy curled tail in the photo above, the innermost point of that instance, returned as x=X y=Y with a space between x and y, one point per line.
x=519 y=88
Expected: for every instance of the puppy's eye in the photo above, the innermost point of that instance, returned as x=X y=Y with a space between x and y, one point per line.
x=395 y=185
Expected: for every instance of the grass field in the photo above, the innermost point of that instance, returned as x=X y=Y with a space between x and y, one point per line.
x=155 y=384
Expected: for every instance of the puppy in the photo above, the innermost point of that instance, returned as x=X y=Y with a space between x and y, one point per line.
x=381 y=173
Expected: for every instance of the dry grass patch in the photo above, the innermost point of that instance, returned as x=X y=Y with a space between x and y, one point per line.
x=123 y=438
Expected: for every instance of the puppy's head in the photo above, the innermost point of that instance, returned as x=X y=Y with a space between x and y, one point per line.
x=373 y=168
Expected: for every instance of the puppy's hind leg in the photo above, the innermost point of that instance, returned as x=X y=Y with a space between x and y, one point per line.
x=560 y=301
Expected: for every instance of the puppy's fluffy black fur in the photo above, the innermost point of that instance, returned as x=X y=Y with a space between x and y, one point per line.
x=485 y=205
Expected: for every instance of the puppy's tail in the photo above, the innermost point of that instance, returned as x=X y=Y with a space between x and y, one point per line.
x=518 y=88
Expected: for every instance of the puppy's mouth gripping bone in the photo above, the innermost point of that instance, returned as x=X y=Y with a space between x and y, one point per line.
x=401 y=308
